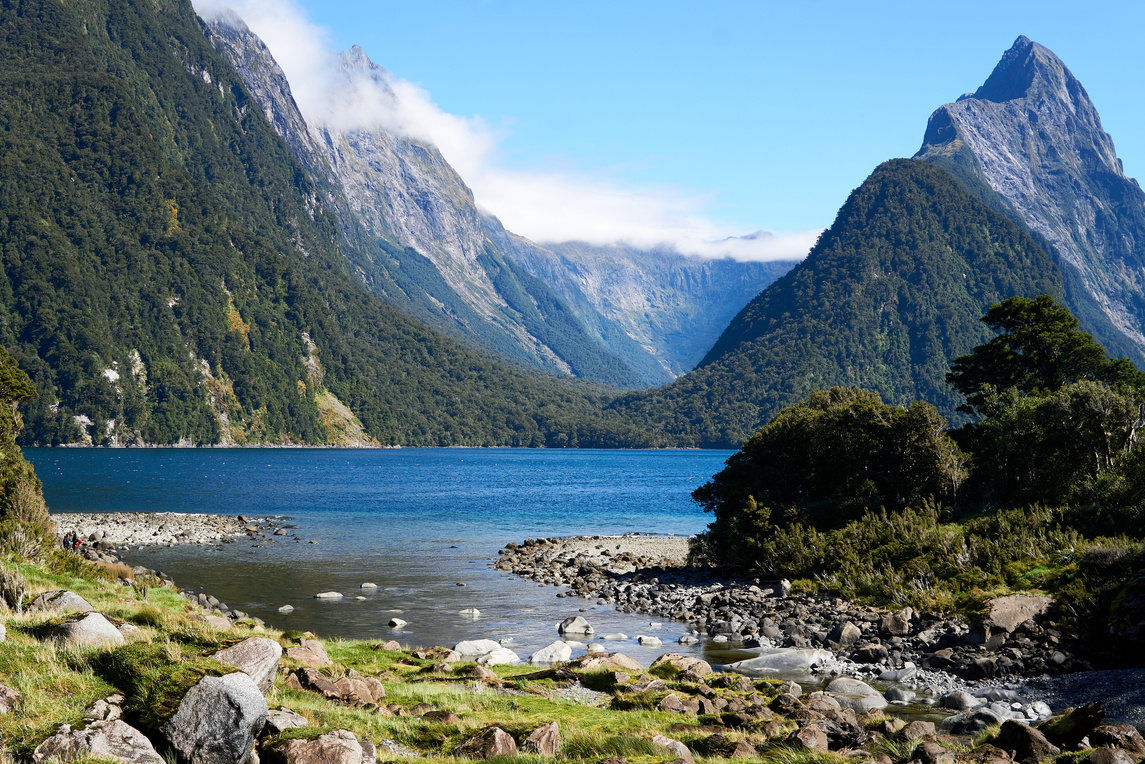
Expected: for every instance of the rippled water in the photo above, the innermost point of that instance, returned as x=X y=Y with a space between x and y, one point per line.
x=415 y=521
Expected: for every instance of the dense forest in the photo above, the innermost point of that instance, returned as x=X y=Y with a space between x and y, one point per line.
x=169 y=274
x=888 y=297
x=1043 y=489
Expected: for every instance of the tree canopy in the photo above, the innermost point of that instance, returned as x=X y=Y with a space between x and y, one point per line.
x=1039 y=348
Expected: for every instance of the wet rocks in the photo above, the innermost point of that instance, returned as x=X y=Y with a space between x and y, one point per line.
x=576 y=625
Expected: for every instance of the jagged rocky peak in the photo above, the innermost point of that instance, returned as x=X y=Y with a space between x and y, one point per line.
x=1031 y=138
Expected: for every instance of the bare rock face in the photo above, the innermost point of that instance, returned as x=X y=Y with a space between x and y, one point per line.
x=93 y=630
x=1033 y=135
x=61 y=601
x=492 y=742
x=337 y=747
x=310 y=652
x=218 y=720
x=545 y=741
x=256 y=657
x=102 y=739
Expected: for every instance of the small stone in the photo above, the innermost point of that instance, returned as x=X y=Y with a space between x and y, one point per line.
x=286 y=609
x=575 y=625
x=397 y=623
x=674 y=747
x=392 y=646
x=472 y=612
x=368 y=586
x=328 y=596
x=492 y=742
x=648 y=641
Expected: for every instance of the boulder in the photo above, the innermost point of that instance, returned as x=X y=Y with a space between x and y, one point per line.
x=502 y=656
x=781 y=660
x=545 y=741
x=475 y=648
x=103 y=740
x=595 y=661
x=1007 y=613
x=92 y=630
x=896 y=624
x=697 y=666
x=960 y=700
x=1109 y=756
x=920 y=730
x=356 y=688
x=1024 y=743
x=933 y=753
x=337 y=747
x=1123 y=736
x=8 y=699
x=557 y=652
x=309 y=652
x=256 y=657
x=391 y=645
x=648 y=641
x=279 y=720
x=220 y=622
x=328 y=596
x=969 y=722
x=217 y=721
x=576 y=625
x=810 y=736
x=397 y=623
x=871 y=653
x=1066 y=731
x=674 y=747
x=492 y=742
x=314 y=680
x=61 y=601
x=845 y=633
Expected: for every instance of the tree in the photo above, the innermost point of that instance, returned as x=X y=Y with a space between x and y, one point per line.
x=1039 y=349
x=827 y=461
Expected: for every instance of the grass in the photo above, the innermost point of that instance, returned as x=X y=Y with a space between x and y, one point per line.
x=173 y=652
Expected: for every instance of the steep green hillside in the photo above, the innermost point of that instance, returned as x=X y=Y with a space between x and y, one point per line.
x=890 y=294
x=169 y=273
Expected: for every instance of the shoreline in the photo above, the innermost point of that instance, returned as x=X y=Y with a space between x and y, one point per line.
x=643 y=573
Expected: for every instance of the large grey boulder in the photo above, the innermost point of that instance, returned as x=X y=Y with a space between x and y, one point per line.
x=502 y=656
x=855 y=694
x=103 y=739
x=782 y=660
x=218 y=720
x=557 y=652
x=475 y=648
x=61 y=601
x=337 y=747
x=256 y=657
x=92 y=630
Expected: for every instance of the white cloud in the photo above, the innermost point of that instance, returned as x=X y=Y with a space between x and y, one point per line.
x=543 y=205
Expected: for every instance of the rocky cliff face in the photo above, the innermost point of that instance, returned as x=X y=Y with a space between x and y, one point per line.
x=1032 y=136
x=409 y=223
x=416 y=238
x=669 y=305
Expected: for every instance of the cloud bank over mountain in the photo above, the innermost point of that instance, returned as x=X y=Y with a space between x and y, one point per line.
x=545 y=205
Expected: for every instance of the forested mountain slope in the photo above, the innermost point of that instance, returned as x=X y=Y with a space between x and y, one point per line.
x=410 y=224
x=1030 y=143
x=890 y=294
x=171 y=274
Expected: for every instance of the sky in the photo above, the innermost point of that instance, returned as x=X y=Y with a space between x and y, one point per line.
x=688 y=122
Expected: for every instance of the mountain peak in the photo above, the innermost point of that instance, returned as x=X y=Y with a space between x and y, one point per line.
x=1029 y=69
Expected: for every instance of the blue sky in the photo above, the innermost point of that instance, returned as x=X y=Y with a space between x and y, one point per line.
x=748 y=114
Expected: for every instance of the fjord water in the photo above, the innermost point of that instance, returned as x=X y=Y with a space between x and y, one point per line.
x=415 y=521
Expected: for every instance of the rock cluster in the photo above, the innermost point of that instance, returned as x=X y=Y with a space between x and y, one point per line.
x=119 y=530
x=1011 y=640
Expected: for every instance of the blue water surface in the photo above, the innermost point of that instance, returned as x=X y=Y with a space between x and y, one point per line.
x=415 y=521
